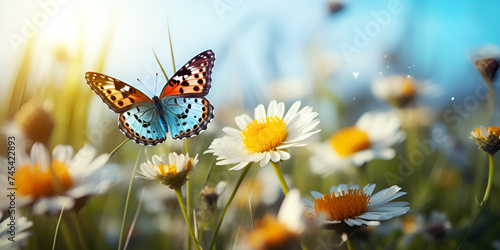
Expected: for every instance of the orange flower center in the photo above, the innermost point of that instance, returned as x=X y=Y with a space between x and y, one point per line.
x=408 y=89
x=341 y=206
x=271 y=234
x=38 y=182
x=264 y=135
x=492 y=130
x=163 y=169
x=349 y=140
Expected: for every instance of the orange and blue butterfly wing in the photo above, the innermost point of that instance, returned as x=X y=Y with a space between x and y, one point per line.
x=187 y=117
x=115 y=93
x=141 y=123
x=194 y=79
x=138 y=119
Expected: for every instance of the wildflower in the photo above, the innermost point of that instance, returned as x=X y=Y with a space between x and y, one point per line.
x=265 y=138
x=63 y=181
x=369 y=139
x=348 y=208
x=32 y=123
x=171 y=172
x=283 y=231
x=488 y=68
x=210 y=195
x=21 y=224
x=401 y=91
x=488 y=139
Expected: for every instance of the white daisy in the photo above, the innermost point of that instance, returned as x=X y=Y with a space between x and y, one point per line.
x=79 y=177
x=488 y=139
x=283 y=231
x=267 y=137
x=401 y=90
x=12 y=236
x=356 y=207
x=369 y=139
x=171 y=172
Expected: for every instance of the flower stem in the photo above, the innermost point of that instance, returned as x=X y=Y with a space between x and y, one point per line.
x=127 y=200
x=127 y=240
x=118 y=147
x=350 y=244
x=240 y=180
x=277 y=169
x=490 y=180
x=57 y=228
x=483 y=202
x=178 y=192
x=188 y=194
x=79 y=230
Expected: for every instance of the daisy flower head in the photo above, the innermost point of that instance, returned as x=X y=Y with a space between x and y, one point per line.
x=171 y=171
x=348 y=208
x=488 y=139
x=370 y=138
x=401 y=90
x=12 y=236
x=267 y=137
x=50 y=183
x=283 y=231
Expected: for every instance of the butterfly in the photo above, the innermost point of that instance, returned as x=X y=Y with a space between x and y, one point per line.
x=180 y=106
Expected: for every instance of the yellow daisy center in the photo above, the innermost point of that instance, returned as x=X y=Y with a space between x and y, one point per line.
x=350 y=140
x=408 y=89
x=264 y=135
x=38 y=182
x=169 y=169
x=341 y=206
x=271 y=234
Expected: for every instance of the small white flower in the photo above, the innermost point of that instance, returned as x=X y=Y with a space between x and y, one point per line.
x=283 y=231
x=400 y=90
x=267 y=137
x=357 y=207
x=18 y=233
x=79 y=176
x=369 y=139
x=171 y=172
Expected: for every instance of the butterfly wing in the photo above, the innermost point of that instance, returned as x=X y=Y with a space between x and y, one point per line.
x=115 y=93
x=193 y=79
x=187 y=117
x=141 y=123
x=138 y=119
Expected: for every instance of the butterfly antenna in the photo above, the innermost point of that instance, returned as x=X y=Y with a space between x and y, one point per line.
x=156 y=84
x=145 y=87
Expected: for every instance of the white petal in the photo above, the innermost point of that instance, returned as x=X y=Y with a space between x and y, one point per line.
x=259 y=112
x=39 y=154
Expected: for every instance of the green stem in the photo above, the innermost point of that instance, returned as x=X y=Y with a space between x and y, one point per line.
x=483 y=203
x=79 y=233
x=240 y=180
x=277 y=169
x=127 y=240
x=350 y=244
x=57 y=228
x=118 y=147
x=68 y=238
x=188 y=196
x=490 y=180
x=127 y=200
x=178 y=192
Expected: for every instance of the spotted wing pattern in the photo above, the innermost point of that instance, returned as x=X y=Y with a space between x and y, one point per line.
x=141 y=123
x=187 y=117
x=193 y=79
x=115 y=93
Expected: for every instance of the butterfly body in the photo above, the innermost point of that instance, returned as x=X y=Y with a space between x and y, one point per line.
x=181 y=105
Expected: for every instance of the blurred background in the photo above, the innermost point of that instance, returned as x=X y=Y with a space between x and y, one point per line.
x=327 y=54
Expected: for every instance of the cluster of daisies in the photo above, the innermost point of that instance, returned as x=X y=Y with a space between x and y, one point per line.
x=63 y=180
